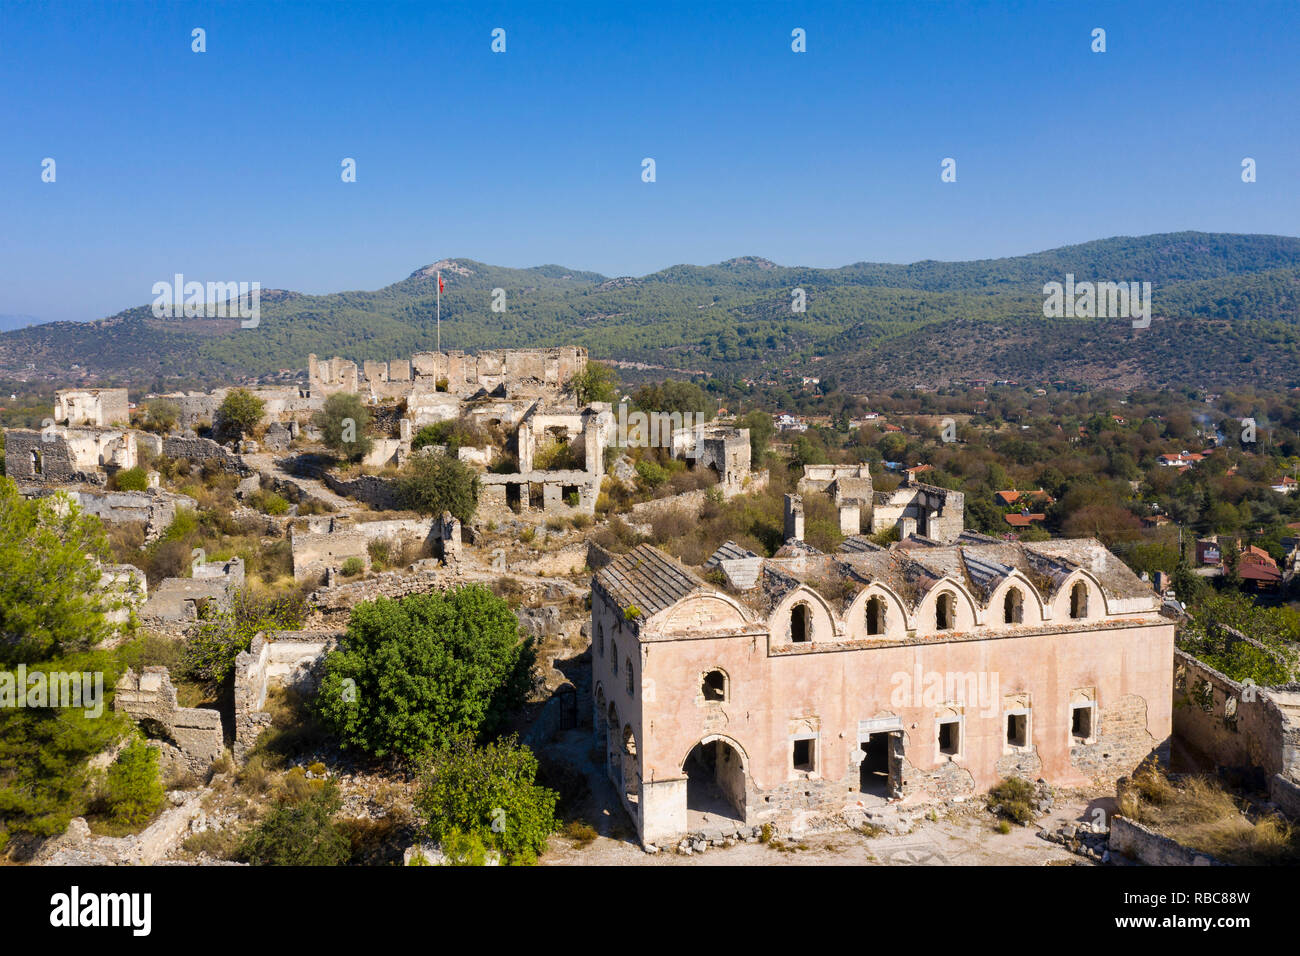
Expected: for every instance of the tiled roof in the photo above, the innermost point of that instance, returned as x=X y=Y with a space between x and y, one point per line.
x=648 y=579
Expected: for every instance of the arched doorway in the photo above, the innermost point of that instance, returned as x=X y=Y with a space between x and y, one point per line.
x=715 y=782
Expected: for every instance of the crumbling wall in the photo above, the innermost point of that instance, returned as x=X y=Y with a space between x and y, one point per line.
x=278 y=659
x=331 y=541
x=1237 y=726
x=193 y=732
x=203 y=449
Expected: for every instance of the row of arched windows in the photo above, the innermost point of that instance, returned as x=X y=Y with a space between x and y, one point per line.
x=945 y=612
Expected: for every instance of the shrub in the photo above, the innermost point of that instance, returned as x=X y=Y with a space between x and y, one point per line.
x=650 y=474
x=300 y=834
x=1013 y=799
x=487 y=792
x=133 y=791
x=352 y=567
x=130 y=479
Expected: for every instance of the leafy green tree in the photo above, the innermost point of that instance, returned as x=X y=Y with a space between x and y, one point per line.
x=761 y=429
x=300 y=834
x=411 y=673
x=596 y=383
x=489 y=792
x=132 y=789
x=239 y=413
x=432 y=484
x=343 y=423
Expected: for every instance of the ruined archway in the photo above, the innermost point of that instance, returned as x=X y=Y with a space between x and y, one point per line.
x=715 y=782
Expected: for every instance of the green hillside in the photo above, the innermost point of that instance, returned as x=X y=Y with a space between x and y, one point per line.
x=1225 y=307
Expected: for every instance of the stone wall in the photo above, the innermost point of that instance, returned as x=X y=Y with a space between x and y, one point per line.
x=329 y=542
x=1237 y=726
x=1143 y=844
x=203 y=449
x=278 y=659
x=193 y=733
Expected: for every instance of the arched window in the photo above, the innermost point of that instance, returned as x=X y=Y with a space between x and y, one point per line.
x=799 y=629
x=600 y=639
x=714 y=686
x=1013 y=607
x=945 y=611
x=1079 y=601
x=613 y=656
x=628 y=671
x=876 y=615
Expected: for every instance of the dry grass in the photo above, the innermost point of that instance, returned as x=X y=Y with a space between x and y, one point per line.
x=1199 y=813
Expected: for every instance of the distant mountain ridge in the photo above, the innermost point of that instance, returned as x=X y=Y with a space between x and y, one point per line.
x=1226 y=309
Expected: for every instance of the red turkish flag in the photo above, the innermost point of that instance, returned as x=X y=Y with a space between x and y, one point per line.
x=441 y=286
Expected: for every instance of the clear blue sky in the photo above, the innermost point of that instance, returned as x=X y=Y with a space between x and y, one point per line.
x=225 y=165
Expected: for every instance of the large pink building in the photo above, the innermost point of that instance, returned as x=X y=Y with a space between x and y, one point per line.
x=807 y=686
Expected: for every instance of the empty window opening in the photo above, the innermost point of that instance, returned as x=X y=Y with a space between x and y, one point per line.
x=1079 y=601
x=613 y=656
x=799 y=631
x=628 y=664
x=600 y=639
x=945 y=611
x=805 y=753
x=714 y=686
x=514 y=498
x=950 y=737
x=876 y=616
x=1013 y=607
x=36 y=462
x=1081 y=722
x=874 y=771
x=1017 y=730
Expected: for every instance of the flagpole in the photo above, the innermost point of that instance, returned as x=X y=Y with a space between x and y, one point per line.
x=439 y=310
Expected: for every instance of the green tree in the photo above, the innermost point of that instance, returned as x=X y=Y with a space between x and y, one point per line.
x=343 y=423
x=432 y=484
x=132 y=788
x=489 y=792
x=596 y=383
x=761 y=430
x=239 y=413
x=51 y=601
x=411 y=673
x=300 y=834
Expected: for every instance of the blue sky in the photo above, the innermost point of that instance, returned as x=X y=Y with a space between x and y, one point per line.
x=225 y=165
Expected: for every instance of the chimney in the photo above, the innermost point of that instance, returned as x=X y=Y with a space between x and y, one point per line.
x=793 y=518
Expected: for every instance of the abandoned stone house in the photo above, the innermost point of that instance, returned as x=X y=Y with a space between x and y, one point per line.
x=64 y=454
x=914 y=508
x=804 y=687
x=324 y=544
x=92 y=406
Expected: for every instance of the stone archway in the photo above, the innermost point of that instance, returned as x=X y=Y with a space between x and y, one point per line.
x=716 y=782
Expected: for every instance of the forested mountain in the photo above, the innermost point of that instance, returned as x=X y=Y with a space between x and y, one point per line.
x=1226 y=309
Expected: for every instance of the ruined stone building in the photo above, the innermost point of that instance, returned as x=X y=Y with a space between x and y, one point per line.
x=802 y=688
x=91 y=406
x=63 y=454
x=914 y=508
